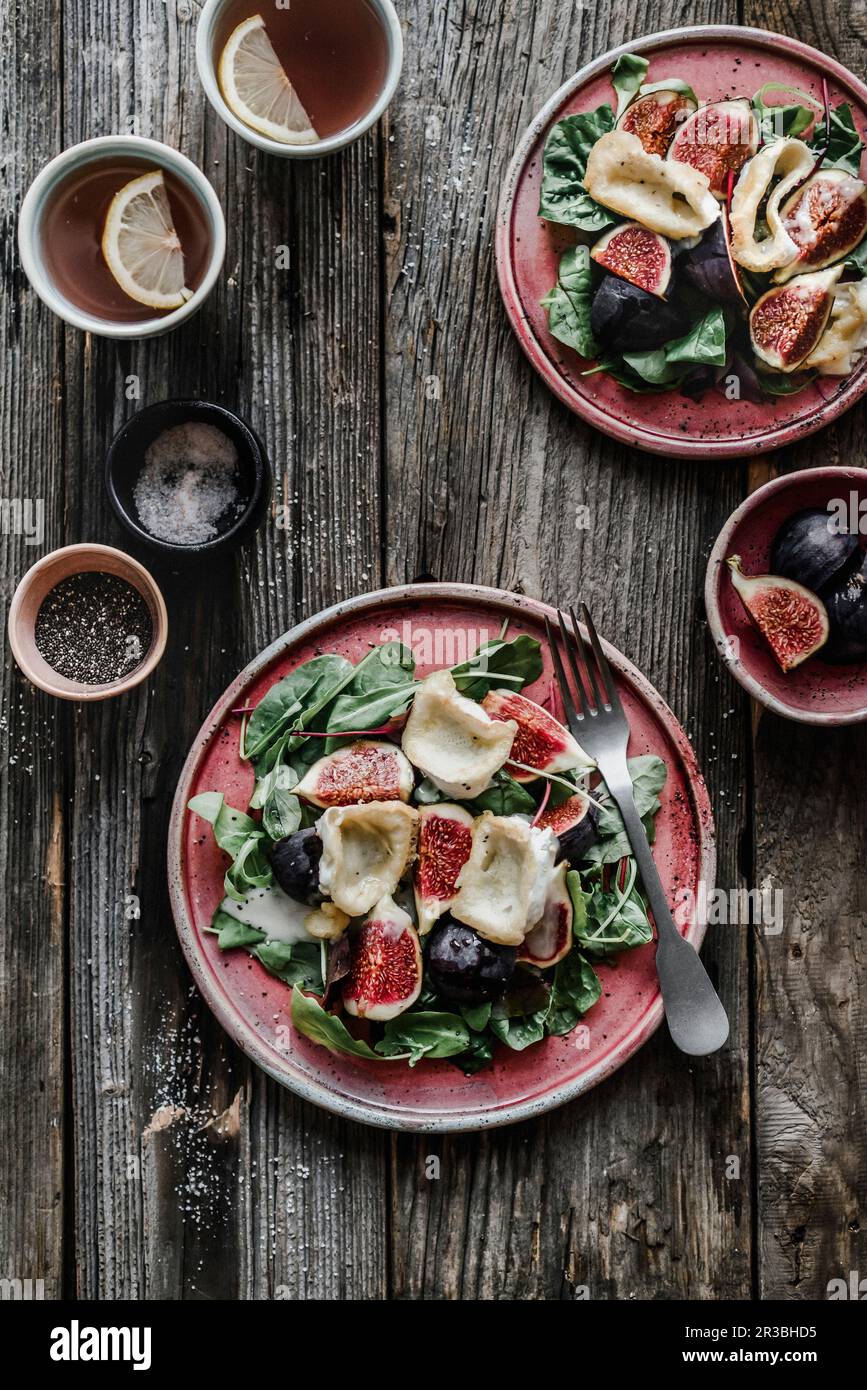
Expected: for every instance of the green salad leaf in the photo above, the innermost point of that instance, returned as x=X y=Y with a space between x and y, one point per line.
x=845 y=145
x=575 y=989
x=570 y=302
x=613 y=919
x=669 y=84
x=779 y=122
x=423 y=1034
x=627 y=76
x=241 y=838
x=383 y=687
x=513 y=662
x=298 y=963
x=324 y=1028
x=563 y=197
x=294 y=701
x=648 y=773
x=231 y=933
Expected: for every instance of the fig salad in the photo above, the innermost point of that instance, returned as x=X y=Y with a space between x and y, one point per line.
x=432 y=865
x=721 y=244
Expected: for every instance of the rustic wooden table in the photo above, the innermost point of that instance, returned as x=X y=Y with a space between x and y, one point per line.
x=142 y=1155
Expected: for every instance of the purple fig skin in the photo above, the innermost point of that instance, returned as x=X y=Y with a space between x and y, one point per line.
x=710 y=269
x=847 y=614
x=809 y=550
x=625 y=318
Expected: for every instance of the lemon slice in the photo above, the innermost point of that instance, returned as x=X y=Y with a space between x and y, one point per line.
x=141 y=247
x=257 y=89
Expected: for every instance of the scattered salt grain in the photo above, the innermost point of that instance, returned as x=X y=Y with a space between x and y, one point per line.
x=189 y=485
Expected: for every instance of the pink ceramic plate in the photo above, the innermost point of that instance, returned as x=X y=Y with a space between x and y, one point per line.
x=442 y=623
x=817 y=692
x=719 y=61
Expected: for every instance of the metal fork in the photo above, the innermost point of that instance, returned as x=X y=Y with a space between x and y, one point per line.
x=696 y=1019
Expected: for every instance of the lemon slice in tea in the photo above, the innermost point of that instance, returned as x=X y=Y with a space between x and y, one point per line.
x=141 y=247
x=257 y=90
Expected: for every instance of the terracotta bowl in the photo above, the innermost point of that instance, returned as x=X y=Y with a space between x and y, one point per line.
x=817 y=692
x=41 y=579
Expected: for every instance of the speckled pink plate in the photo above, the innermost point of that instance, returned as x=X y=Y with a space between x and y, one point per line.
x=719 y=61
x=817 y=692
x=442 y=623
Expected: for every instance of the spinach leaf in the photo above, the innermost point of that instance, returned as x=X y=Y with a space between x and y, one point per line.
x=570 y=302
x=231 y=828
x=648 y=774
x=613 y=920
x=845 y=146
x=705 y=342
x=857 y=259
x=476 y=1016
x=564 y=198
x=250 y=869
x=519 y=1032
x=575 y=989
x=311 y=1019
x=776 y=384
x=479 y=1053
x=427 y=794
x=293 y=701
x=625 y=375
x=653 y=366
x=298 y=963
x=505 y=797
x=627 y=76
x=424 y=1035
x=779 y=122
x=514 y=663
x=231 y=933
x=383 y=688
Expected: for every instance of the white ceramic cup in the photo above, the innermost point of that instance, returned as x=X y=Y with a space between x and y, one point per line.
x=37 y=199
x=207 y=60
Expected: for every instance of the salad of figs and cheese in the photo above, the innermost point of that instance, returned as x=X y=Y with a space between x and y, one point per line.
x=431 y=865
x=722 y=244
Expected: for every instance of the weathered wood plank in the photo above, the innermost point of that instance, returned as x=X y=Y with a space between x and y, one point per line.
x=195 y=1177
x=811 y=1091
x=33 y=786
x=624 y=1192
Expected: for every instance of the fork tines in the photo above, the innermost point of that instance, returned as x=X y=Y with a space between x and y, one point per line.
x=592 y=678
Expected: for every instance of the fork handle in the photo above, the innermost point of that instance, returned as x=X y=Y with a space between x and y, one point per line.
x=696 y=1018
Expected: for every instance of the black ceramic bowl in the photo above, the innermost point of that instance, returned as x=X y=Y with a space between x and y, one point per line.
x=126 y=459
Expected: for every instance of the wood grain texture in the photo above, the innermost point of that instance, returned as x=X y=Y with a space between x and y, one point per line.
x=811 y=1089
x=486 y=481
x=33 y=786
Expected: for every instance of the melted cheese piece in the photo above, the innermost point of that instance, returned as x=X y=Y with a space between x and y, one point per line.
x=453 y=741
x=670 y=198
x=273 y=912
x=845 y=338
x=366 y=850
x=788 y=161
x=503 y=886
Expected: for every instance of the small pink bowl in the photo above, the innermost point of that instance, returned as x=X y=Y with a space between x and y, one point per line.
x=41 y=579
x=817 y=692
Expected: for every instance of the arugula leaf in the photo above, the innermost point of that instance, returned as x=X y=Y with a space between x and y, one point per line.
x=570 y=302
x=627 y=76
x=231 y=828
x=514 y=663
x=563 y=197
x=845 y=145
x=614 y=920
x=311 y=1019
x=250 y=868
x=424 y=1035
x=575 y=990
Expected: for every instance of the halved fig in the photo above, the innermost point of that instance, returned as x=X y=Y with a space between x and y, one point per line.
x=826 y=218
x=551 y=938
x=625 y=318
x=541 y=742
x=574 y=824
x=365 y=771
x=717 y=140
x=635 y=254
x=385 y=970
x=464 y=967
x=788 y=321
x=712 y=269
x=445 y=838
x=792 y=619
x=654 y=118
